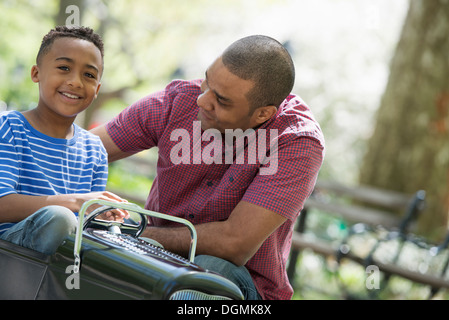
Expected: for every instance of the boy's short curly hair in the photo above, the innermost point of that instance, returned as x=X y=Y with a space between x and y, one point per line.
x=84 y=33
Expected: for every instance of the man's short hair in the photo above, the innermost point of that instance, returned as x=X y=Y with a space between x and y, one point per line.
x=84 y=33
x=267 y=63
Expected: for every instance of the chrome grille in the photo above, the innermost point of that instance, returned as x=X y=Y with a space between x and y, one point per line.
x=195 y=295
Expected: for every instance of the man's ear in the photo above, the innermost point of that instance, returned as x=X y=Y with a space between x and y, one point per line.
x=35 y=73
x=263 y=114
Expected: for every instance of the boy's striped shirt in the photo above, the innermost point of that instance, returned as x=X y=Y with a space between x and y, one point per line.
x=35 y=164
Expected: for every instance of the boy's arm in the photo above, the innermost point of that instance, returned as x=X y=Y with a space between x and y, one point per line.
x=16 y=207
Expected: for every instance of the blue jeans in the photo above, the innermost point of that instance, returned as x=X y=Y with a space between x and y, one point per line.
x=44 y=230
x=239 y=275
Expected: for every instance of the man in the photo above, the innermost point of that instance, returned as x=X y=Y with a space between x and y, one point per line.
x=238 y=157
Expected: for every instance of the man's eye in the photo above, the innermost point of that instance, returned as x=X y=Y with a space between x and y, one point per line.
x=221 y=103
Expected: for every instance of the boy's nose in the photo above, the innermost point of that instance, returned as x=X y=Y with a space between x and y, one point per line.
x=74 y=80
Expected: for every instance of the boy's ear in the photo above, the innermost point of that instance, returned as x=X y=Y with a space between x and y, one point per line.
x=98 y=89
x=35 y=73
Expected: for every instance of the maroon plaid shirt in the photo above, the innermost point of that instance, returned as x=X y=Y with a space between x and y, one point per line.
x=201 y=191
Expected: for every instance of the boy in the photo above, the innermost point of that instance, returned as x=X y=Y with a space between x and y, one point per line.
x=49 y=166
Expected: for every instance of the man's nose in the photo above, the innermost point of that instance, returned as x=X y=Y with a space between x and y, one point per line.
x=204 y=100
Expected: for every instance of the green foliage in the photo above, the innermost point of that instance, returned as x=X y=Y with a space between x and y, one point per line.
x=19 y=43
x=120 y=178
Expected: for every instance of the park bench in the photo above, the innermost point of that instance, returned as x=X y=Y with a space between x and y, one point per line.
x=386 y=215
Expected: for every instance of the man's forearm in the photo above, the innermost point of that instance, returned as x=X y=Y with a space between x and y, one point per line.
x=212 y=240
x=176 y=239
x=236 y=239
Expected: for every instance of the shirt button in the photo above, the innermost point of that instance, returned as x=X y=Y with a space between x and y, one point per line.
x=231 y=179
x=209 y=183
x=191 y=216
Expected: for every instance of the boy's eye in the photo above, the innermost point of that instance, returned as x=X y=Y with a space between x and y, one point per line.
x=90 y=75
x=64 y=68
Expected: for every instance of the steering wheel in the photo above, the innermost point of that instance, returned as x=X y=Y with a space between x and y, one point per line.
x=85 y=221
x=135 y=229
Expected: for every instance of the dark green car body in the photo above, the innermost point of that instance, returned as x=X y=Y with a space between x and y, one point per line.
x=113 y=266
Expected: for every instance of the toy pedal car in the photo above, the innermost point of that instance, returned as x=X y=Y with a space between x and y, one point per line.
x=108 y=260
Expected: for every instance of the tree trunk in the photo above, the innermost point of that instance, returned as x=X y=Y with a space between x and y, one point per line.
x=409 y=148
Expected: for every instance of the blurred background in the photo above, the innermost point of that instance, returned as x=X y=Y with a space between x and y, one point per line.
x=375 y=74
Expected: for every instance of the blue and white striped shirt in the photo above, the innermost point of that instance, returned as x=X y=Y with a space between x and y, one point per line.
x=35 y=164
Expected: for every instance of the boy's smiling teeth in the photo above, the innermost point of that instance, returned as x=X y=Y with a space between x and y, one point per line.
x=70 y=95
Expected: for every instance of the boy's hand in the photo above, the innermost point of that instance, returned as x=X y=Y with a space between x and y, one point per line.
x=112 y=215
